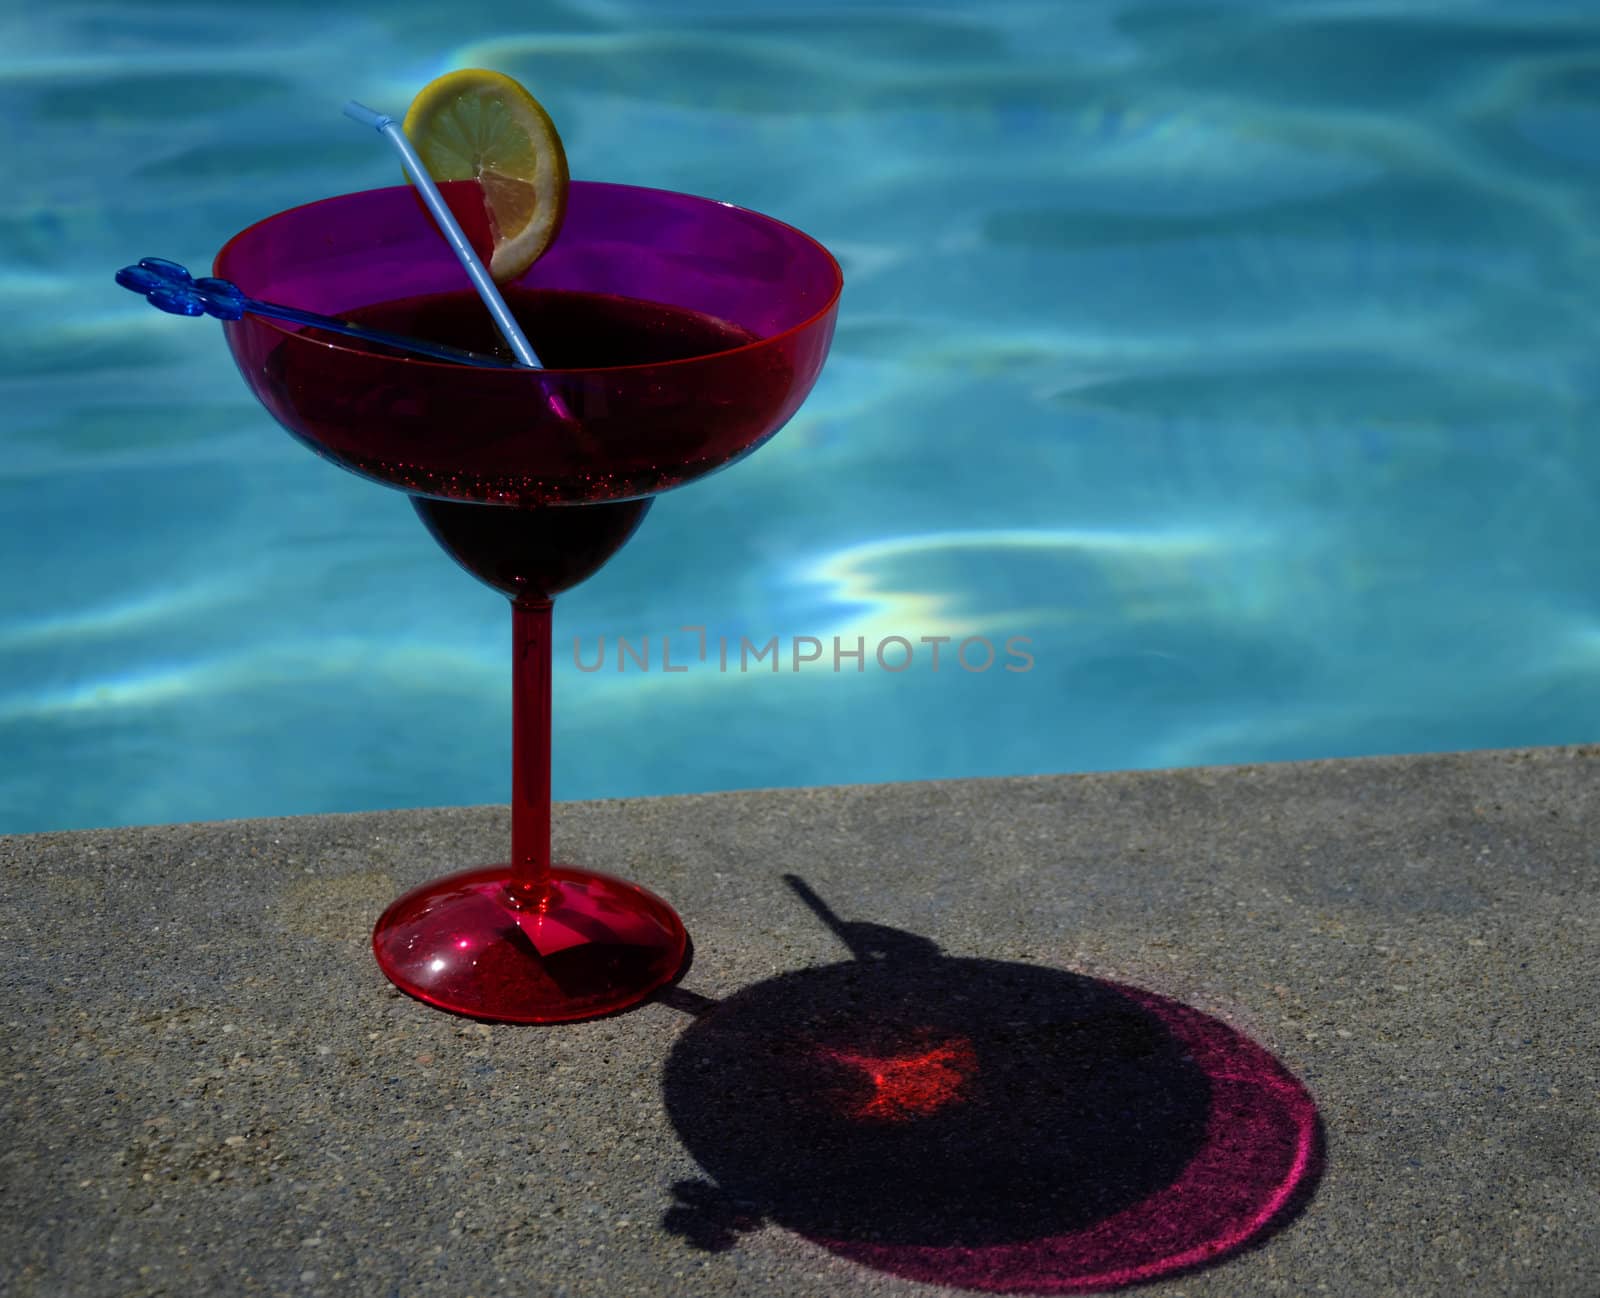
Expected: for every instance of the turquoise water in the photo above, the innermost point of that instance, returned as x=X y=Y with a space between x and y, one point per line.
x=1240 y=356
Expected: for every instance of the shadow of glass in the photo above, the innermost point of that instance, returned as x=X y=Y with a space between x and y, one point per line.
x=981 y=1123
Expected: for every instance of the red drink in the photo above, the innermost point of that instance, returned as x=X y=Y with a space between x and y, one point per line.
x=570 y=330
x=537 y=552
x=497 y=440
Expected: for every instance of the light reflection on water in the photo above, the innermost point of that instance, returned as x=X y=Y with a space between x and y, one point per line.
x=1310 y=286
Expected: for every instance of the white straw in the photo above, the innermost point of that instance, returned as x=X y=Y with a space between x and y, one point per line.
x=508 y=326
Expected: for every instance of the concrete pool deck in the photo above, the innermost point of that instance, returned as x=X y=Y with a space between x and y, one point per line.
x=209 y=1088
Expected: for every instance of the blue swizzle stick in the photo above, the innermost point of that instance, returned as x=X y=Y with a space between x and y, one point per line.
x=169 y=286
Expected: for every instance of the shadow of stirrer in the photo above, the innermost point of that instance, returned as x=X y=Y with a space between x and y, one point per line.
x=992 y=1125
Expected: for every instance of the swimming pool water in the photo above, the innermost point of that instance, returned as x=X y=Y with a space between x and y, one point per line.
x=1241 y=356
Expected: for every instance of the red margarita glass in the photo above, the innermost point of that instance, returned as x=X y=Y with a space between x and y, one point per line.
x=677 y=335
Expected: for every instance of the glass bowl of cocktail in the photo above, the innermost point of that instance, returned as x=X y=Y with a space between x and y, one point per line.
x=675 y=334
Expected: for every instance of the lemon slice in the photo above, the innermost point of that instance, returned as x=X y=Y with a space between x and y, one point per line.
x=483 y=126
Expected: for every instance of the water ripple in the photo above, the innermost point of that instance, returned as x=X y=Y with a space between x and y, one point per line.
x=1241 y=351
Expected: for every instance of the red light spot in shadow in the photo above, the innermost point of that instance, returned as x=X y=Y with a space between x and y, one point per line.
x=1260 y=1149
x=910 y=1086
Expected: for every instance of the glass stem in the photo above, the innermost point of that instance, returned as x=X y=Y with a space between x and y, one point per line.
x=530 y=751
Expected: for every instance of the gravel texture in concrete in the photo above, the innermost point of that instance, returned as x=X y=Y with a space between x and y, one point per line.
x=1298 y=1029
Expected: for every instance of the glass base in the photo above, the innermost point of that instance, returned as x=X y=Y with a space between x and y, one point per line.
x=467 y=943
